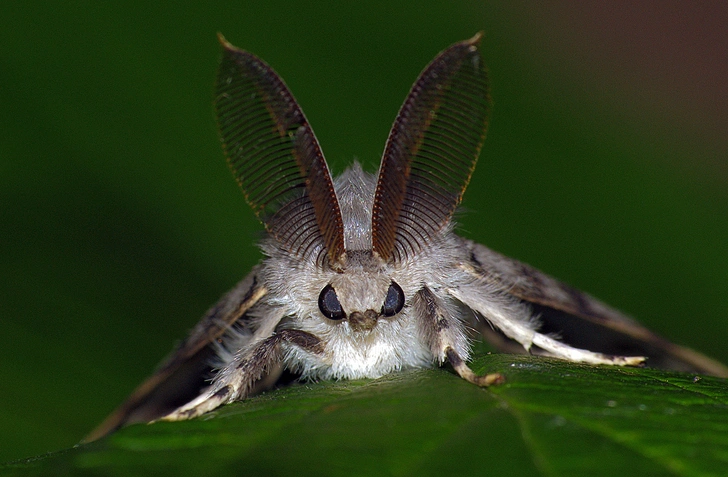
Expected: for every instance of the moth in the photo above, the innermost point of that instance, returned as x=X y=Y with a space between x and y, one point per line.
x=363 y=275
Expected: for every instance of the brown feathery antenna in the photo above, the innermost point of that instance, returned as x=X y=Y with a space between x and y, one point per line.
x=431 y=152
x=275 y=157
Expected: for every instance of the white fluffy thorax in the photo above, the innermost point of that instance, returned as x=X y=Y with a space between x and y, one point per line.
x=395 y=342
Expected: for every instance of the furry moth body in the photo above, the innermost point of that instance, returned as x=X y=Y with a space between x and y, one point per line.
x=363 y=275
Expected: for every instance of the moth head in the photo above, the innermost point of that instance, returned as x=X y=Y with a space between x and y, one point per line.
x=362 y=303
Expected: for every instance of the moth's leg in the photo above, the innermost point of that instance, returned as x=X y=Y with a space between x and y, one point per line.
x=467 y=374
x=236 y=379
x=564 y=351
x=446 y=336
x=515 y=320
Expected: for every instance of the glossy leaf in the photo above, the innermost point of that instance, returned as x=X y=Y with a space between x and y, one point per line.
x=550 y=418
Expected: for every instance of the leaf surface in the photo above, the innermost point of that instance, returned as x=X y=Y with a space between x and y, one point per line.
x=551 y=418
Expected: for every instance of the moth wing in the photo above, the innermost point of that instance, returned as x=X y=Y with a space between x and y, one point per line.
x=580 y=320
x=186 y=371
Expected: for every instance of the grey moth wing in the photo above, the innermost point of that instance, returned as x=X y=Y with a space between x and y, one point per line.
x=579 y=319
x=186 y=371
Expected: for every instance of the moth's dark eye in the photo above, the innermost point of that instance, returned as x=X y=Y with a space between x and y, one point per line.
x=329 y=304
x=394 y=302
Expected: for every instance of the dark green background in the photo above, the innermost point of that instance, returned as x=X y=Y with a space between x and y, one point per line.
x=606 y=165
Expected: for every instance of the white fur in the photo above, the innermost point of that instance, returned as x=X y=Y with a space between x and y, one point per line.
x=396 y=342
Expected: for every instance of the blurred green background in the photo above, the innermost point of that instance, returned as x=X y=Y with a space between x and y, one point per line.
x=606 y=165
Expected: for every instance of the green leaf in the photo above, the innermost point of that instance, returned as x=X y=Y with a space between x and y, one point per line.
x=550 y=418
